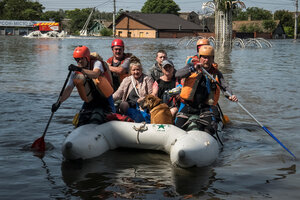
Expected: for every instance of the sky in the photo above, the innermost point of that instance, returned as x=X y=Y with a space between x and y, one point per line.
x=136 y=5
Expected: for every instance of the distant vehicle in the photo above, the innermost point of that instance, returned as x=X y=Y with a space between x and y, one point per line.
x=45 y=27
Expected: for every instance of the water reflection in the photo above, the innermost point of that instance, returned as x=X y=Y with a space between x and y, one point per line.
x=127 y=173
x=222 y=57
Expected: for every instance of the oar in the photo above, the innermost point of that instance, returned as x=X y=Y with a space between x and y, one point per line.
x=263 y=127
x=39 y=144
x=225 y=118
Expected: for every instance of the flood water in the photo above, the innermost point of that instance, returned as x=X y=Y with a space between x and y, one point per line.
x=251 y=164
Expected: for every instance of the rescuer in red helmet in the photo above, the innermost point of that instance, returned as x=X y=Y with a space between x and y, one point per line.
x=84 y=77
x=119 y=62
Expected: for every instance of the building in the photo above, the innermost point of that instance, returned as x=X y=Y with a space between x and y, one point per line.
x=141 y=25
x=237 y=28
x=207 y=23
x=97 y=26
x=191 y=17
x=18 y=27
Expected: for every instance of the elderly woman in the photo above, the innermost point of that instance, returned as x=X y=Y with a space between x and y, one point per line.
x=133 y=88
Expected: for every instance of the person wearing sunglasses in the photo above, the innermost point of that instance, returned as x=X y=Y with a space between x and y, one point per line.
x=86 y=77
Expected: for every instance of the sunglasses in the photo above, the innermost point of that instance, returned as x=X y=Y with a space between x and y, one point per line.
x=78 y=59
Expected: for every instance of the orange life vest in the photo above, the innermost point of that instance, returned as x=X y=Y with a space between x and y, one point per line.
x=107 y=73
x=120 y=76
x=190 y=86
x=85 y=90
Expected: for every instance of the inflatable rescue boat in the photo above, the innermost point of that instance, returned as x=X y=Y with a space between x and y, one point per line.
x=186 y=149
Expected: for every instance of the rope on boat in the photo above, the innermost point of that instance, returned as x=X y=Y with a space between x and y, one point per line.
x=140 y=129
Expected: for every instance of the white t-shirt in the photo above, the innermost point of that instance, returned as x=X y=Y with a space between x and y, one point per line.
x=97 y=65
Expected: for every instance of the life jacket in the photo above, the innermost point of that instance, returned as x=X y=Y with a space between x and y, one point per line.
x=87 y=87
x=120 y=76
x=191 y=83
x=107 y=73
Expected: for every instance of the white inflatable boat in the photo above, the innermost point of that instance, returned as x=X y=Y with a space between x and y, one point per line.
x=186 y=149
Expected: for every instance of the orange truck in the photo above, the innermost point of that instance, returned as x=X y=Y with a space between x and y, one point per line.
x=45 y=27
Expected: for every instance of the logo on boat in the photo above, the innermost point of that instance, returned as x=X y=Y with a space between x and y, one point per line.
x=161 y=127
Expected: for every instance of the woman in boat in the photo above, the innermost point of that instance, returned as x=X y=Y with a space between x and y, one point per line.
x=89 y=77
x=165 y=87
x=200 y=95
x=133 y=89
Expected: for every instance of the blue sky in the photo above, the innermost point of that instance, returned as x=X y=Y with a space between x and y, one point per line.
x=185 y=5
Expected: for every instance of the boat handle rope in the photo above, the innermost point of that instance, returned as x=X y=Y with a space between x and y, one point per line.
x=140 y=129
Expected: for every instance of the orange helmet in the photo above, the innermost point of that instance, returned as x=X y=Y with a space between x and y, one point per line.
x=117 y=42
x=206 y=50
x=82 y=52
x=201 y=42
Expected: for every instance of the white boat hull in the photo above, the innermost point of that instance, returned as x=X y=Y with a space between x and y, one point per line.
x=186 y=149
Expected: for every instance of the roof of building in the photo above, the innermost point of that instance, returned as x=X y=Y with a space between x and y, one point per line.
x=161 y=21
x=236 y=25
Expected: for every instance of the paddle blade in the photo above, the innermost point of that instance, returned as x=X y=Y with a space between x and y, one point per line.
x=39 y=144
x=226 y=119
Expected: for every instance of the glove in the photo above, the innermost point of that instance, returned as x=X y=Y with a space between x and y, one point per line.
x=191 y=67
x=74 y=68
x=55 y=106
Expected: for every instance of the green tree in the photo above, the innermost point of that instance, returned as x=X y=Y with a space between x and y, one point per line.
x=243 y=28
x=78 y=18
x=269 y=25
x=259 y=13
x=108 y=16
x=106 y=32
x=254 y=28
x=285 y=17
x=160 y=6
x=21 y=10
x=253 y=12
x=239 y=15
x=289 y=31
x=56 y=16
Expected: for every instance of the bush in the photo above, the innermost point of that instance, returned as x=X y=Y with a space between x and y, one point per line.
x=106 y=32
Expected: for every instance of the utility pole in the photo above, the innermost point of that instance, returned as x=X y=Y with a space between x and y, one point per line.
x=296 y=21
x=114 y=19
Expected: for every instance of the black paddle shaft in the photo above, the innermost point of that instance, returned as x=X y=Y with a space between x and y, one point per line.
x=61 y=92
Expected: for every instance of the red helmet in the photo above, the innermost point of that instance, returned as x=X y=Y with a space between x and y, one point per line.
x=117 y=42
x=82 y=52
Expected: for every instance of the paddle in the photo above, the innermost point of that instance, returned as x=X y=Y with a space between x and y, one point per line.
x=39 y=144
x=225 y=118
x=263 y=127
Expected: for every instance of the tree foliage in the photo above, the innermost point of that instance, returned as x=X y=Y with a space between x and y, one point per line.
x=21 y=10
x=285 y=17
x=78 y=18
x=253 y=12
x=106 y=32
x=56 y=16
x=160 y=6
x=269 y=25
x=250 y=28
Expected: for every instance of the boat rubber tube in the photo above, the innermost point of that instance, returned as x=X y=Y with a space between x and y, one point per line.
x=186 y=149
